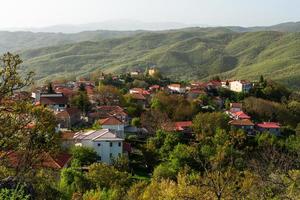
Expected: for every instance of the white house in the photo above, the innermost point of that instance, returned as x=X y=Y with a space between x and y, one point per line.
x=106 y=143
x=240 y=86
x=177 y=88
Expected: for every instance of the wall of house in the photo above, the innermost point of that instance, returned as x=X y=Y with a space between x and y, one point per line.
x=107 y=152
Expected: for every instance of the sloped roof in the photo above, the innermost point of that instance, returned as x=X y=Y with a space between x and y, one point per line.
x=46 y=160
x=97 y=135
x=110 y=121
x=241 y=122
x=138 y=96
x=268 y=125
x=241 y=115
x=180 y=126
x=53 y=100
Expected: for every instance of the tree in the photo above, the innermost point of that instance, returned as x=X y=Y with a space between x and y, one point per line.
x=81 y=101
x=10 y=79
x=84 y=155
x=136 y=121
x=109 y=95
x=17 y=193
x=105 y=176
x=153 y=120
x=206 y=124
x=27 y=131
x=50 y=88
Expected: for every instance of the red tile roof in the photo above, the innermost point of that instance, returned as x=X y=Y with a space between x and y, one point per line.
x=66 y=91
x=138 y=96
x=241 y=122
x=241 y=115
x=180 y=126
x=53 y=100
x=175 y=85
x=46 y=160
x=67 y=135
x=153 y=87
x=268 y=125
x=110 y=121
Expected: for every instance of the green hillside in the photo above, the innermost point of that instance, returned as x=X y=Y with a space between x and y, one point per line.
x=192 y=53
x=12 y=41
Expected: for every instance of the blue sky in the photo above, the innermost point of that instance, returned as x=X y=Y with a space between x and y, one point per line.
x=39 y=13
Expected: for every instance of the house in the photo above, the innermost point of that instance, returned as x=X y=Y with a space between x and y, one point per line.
x=235 y=107
x=152 y=71
x=56 y=101
x=114 y=124
x=195 y=93
x=67 y=139
x=177 y=88
x=240 y=86
x=271 y=127
x=139 y=99
x=68 y=92
x=136 y=73
x=106 y=143
x=68 y=117
x=101 y=112
x=238 y=115
x=245 y=124
x=154 y=88
x=183 y=127
x=139 y=91
x=45 y=160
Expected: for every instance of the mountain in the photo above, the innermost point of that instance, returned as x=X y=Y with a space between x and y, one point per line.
x=20 y=40
x=116 y=25
x=284 y=27
x=191 y=53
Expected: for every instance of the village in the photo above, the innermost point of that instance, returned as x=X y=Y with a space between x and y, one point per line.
x=94 y=115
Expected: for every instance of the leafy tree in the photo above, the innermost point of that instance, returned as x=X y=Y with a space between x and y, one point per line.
x=206 y=124
x=10 y=79
x=84 y=155
x=136 y=121
x=109 y=95
x=17 y=193
x=105 y=176
x=81 y=101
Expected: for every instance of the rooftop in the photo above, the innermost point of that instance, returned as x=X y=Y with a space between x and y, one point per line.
x=241 y=122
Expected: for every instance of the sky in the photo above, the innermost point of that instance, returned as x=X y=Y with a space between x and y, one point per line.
x=42 y=13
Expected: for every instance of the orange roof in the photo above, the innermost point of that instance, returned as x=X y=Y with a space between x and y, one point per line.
x=268 y=125
x=110 y=121
x=241 y=122
x=46 y=160
x=242 y=115
x=175 y=85
x=138 y=96
x=67 y=135
x=180 y=126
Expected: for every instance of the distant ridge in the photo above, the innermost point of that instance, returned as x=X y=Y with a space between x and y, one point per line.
x=184 y=54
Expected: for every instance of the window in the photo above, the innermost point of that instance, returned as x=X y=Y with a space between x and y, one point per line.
x=111 y=144
x=99 y=144
x=119 y=155
x=110 y=155
x=119 y=144
x=99 y=158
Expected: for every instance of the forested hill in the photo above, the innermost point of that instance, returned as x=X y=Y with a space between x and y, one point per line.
x=193 y=53
x=21 y=40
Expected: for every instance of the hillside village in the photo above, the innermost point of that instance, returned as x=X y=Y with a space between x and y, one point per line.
x=116 y=121
x=106 y=134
